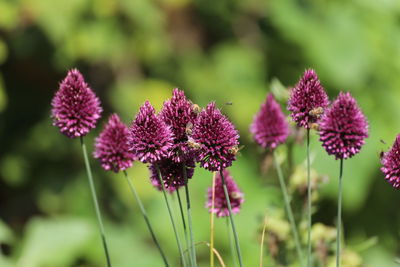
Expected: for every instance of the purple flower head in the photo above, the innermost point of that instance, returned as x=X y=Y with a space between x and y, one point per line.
x=391 y=163
x=269 y=126
x=343 y=127
x=150 y=138
x=215 y=139
x=307 y=100
x=235 y=196
x=111 y=147
x=178 y=113
x=172 y=173
x=75 y=107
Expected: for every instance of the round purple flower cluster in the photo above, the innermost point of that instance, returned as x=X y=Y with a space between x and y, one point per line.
x=343 y=128
x=391 y=164
x=172 y=173
x=150 y=138
x=308 y=99
x=75 y=107
x=269 y=126
x=215 y=138
x=111 y=147
x=236 y=197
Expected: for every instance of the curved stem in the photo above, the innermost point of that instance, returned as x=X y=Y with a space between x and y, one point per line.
x=308 y=201
x=170 y=215
x=339 y=217
x=231 y=219
x=189 y=214
x=153 y=236
x=183 y=222
x=289 y=210
x=95 y=202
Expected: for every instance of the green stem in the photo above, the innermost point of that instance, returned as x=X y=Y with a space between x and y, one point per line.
x=135 y=194
x=189 y=214
x=230 y=242
x=289 y=210
x=231 y=219
x=96 y=204
x=339 y=217
x=212 y=222
x=183 y=222
x=308 y=201
x=170 y=215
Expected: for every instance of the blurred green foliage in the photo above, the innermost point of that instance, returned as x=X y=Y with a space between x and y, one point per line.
x=227 y=51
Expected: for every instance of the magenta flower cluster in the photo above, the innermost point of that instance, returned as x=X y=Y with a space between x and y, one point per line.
x=75 y=107
x=391 y=164
x=343 y=128
x=236 y=197
x=150 y=139
x=269 y=127
x=178 y=136
x=172 y=173
x=216 y=138
x=180 y=115
x=111 y=147
x=307 y=100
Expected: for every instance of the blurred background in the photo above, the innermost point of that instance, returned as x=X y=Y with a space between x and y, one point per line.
x=230 y=51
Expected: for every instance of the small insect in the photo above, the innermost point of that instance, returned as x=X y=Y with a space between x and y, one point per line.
x=189 y=128
x=236 y=195
x=193 y=144
x=381 y=154
x=315 y=126
x=196 y=108
x=229 y=103
x=235 y=149
x=316 y=112
x=382 y=141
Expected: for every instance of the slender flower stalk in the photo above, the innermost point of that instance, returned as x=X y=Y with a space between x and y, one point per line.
x=231 y=245
x=171 y=217
x=189 y=214
x=343 y=130
x=289 y=210
x=339 y=216
x=309 y=216
x=212 y=222
x=183 y=222
x=231 y=219
x=307 y=103
x=95 y=202
x=144 y=213
x=75 y=111
x=270 y=129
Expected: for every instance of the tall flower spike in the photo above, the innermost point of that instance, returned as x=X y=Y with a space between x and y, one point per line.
x=150 y=138
x=343 y=128
x=235 y=196
x=178 y=113
x=111 y=147
x=75 y=107
x=172 y=173
x=307 y=100
x=216 y=139
x=391 y=163
x=269 y=127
